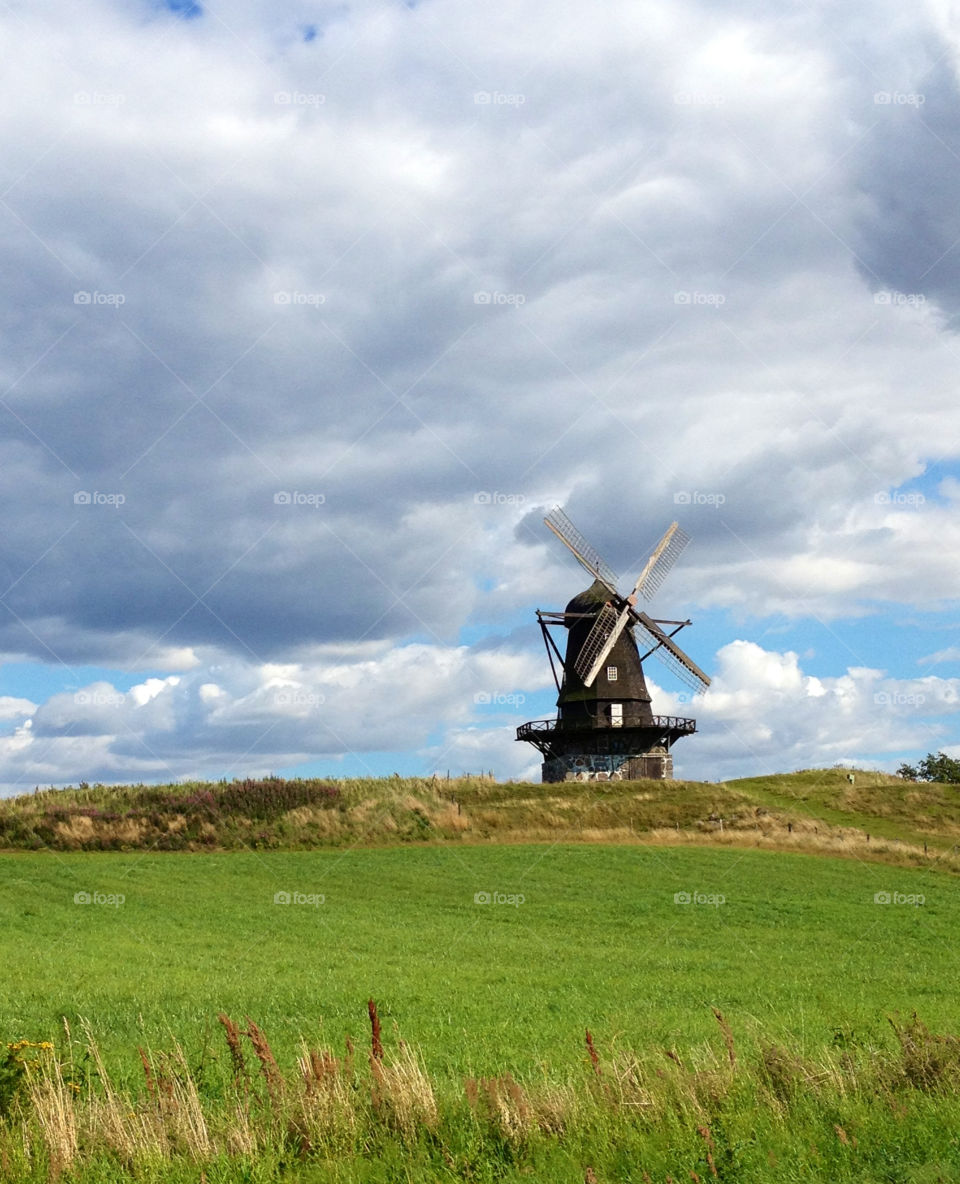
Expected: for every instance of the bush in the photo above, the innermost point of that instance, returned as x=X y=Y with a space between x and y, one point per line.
x=935 y=766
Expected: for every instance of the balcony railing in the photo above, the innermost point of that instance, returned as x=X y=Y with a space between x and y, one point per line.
x=659 y=723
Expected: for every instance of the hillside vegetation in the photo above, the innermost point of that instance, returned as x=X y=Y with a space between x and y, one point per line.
x=877 y=816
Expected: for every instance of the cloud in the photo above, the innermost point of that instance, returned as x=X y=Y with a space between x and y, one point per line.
x=13 y=708
x=457 y=709
x=297 y=350
x=258 y=718
x=763 y=713
x=950 y=654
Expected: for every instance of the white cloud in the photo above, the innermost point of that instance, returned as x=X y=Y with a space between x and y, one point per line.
x=259 y=718
x=950 y=654
x=764 y=714
x=13 y=708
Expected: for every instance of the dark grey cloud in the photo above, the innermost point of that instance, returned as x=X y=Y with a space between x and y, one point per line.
x=909 y=234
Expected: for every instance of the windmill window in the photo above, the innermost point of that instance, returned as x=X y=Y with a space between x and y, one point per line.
x=616 y=715
x=611 y=674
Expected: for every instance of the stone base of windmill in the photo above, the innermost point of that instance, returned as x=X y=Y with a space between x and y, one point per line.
x=657 y=765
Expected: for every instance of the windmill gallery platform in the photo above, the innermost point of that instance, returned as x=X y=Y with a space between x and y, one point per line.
x=605 y=729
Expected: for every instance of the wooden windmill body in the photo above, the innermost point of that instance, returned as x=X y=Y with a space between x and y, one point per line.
x=605 y=727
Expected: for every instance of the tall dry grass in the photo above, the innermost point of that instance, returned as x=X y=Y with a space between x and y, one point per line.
x=330 y=1106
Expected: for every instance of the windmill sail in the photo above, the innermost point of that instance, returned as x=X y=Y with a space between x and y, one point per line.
x=663 y=558
x=584 y=552
x=670 y=653
x=600 y=641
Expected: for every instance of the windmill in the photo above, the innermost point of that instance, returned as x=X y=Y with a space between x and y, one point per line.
x=605 y=727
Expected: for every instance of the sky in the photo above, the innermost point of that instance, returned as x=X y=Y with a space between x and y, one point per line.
x=312 y=311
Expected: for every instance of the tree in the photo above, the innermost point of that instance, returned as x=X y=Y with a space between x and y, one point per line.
x=935 y=766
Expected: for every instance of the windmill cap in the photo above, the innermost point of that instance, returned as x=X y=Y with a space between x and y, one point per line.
x=589 y=600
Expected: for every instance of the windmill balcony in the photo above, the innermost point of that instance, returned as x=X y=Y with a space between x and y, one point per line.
x=542 y=728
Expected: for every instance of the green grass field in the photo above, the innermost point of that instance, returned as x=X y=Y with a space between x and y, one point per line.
x=491 y=960
x=798 y=947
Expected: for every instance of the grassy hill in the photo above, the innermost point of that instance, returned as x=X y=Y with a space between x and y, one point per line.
x=877 y=816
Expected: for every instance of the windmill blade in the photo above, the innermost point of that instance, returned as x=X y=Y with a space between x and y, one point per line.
x=600 y=641
x=584 y=553
x=665 y=555
x=670 y=654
